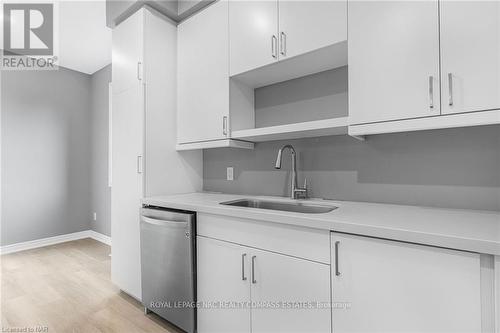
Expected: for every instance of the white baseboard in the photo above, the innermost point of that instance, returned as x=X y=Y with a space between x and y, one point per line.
x=100 y=237
x=55 y=240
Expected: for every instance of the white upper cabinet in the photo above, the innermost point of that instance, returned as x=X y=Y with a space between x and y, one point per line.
x=253 y=34
x=309 y=25
x=263 y=32
x=203 y=76
x=127 y=55
x=393 y=60
x=390 y=286
x=410 y=60
x=470 y=55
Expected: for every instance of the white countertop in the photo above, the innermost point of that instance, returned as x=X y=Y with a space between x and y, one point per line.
x=470 y=230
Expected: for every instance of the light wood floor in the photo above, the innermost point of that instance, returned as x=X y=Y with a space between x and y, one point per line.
x=67 y=288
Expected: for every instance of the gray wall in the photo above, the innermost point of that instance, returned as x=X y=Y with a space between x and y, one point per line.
x=452 y=168
x=313 y=97
x=45 y=154
x=119 y=10
x=186 y=8
x=100 y=192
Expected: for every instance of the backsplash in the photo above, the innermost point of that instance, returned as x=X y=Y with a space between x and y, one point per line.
x=450 y=168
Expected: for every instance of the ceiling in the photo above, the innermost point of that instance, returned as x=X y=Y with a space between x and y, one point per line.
x=84 y=38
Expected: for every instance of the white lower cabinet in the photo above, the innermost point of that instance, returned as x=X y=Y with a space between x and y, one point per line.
x=391 y=286
x=374 y=285
x=222 y=276
x=289 y=294
x=266 y=289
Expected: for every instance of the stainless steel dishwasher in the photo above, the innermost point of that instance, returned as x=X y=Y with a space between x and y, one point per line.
x=168 y=265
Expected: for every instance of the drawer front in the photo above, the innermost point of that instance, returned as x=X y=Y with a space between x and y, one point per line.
x=306 y=243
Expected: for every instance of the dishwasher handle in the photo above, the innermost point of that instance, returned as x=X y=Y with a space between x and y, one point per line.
x=167 y=215
x=164 y=223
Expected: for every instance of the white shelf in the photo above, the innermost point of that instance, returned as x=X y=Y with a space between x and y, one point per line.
x=329 y=57
x=335 y=126
x=428 y=123
x=214 y=144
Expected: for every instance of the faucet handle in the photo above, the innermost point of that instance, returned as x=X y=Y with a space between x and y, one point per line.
x=301 y=193
x=306 y=190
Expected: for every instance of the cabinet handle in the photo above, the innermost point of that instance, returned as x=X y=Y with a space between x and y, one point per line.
x=450 y=89
x=139 y=164
x=274 y=41
x=431 y=92
x=139 y=70
x=224 y=125
x=243 y=277
x=337 y=272
x=253 y=270
x=283 y=44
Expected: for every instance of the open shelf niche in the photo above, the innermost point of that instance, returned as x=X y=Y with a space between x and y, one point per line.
x=307 y=106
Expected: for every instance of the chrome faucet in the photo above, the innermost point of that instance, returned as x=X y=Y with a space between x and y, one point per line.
x=295 y=191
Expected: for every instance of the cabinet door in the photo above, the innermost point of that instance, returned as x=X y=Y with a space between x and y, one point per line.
x=470 y=55
x=203 y=75
x=309 y=25
x=253 y=34
x=279 y=284
x=222 y=276
x=127 y=54
x=390 y=286
x=127 y=190
x=393 y=60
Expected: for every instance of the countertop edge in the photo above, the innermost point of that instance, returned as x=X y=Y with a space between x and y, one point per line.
x=336 y=225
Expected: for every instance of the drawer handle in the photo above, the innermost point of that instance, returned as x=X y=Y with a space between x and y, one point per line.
x=253 y=270
x=431 y=92
x=139 y=71
x=139 y=164
x=283 y=43
x=224 y=125
x=243 y=277
x=450 y=89
x=274 y=51
x=337 y=272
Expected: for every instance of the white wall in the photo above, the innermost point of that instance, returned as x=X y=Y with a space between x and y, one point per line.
x=45 y=154
x=100 y=192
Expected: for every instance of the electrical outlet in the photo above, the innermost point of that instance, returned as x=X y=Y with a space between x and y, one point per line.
x=230 y=173
x=94 y=216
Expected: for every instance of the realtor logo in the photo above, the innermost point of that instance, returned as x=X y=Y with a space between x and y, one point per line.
x=28 y=29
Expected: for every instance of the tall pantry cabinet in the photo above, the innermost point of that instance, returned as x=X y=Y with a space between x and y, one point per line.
x=144 y=159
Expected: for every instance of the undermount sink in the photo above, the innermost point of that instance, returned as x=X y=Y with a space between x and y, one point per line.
x=297 y=207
